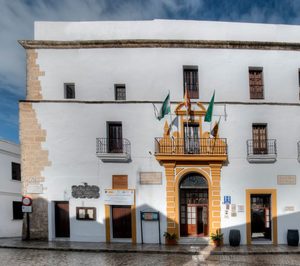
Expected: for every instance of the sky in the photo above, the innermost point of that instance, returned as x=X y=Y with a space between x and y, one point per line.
x=17 y=18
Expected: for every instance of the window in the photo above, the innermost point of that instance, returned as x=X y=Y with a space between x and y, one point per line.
x=259 y=133
x=15 y=171
x=69 y=90
x=120 y=182
x=17 y=210
x=120 y=92
x=115 y=141
x=190 y=81
x=256 y=83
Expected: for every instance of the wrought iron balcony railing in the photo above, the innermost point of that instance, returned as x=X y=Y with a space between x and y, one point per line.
x=198 y=146
x=267 y=146
x=261 y=151
x=109 y=149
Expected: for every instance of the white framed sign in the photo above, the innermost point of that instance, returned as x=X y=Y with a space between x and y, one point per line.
x=119 y=196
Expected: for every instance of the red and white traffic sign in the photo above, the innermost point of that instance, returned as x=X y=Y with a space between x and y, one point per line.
x=26 y=201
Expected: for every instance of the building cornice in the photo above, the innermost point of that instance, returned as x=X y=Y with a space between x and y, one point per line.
x=152 y=43
x=151 y=102
x=13 y=154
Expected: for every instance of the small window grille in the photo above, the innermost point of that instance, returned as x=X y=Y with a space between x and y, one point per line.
x=120 y=92
x=69 y=91
x=190 y=81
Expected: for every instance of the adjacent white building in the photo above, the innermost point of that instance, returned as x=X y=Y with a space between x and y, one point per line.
x=94 y=155
x=10 y=190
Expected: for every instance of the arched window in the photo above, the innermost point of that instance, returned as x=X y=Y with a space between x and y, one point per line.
x=193 y=180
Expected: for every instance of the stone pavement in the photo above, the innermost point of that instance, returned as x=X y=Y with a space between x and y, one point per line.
x=17 y=243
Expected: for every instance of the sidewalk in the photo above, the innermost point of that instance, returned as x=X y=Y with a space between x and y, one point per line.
x=147 y=248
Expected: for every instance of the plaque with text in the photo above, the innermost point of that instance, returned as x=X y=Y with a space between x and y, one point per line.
x=85 y=191
x=286 y=180
x=150 y=178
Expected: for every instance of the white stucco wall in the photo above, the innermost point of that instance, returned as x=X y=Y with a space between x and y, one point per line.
x=150 y=73
x=10 y=190
x=165 y=30
x=72 y=153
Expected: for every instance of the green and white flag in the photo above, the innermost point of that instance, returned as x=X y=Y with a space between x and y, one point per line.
x=209 y=112
x=165 y=108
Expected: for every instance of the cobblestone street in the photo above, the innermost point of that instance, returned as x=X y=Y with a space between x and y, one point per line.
x=16 y=257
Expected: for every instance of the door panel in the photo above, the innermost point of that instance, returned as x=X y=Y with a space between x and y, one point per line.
x=191 y=138
x=115 y=138
x=121 y=221
x=261 y=224
x=259 y=139
x=62 y=219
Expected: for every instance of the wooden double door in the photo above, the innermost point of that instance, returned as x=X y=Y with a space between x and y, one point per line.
x=121 y=221
x=194 y=212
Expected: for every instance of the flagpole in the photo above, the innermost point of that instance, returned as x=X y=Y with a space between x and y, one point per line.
x=170 y=115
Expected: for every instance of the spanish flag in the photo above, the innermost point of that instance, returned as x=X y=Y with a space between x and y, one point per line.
x=187 y=101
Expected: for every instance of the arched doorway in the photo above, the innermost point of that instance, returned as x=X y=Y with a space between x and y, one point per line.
x=193 y=211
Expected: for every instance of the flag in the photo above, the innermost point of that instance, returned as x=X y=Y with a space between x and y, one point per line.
x=209 y=111
x=214 y=132
x=187 y=101
x=165 y=108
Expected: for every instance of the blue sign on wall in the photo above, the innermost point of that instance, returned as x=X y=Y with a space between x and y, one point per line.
x=227 y=199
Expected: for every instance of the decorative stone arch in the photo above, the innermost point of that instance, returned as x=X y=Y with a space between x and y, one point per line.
x=182 y=174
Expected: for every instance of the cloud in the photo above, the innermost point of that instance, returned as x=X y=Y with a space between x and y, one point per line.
x=17 y=18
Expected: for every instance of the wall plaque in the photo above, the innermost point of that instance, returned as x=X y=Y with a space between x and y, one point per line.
x=118 y=197
x=286 y=180
x=85 y=191
x=150 y=178
x=120 y=182
x=289 y=208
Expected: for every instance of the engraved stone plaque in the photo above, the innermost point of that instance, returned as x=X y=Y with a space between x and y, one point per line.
x=150 y=178
x=286 y=180
x=85 y=191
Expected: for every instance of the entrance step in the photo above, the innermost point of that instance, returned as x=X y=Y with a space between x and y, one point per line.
x=193 y=240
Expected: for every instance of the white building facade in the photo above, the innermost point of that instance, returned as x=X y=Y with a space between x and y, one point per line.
x=10 y=190
x=94 y=156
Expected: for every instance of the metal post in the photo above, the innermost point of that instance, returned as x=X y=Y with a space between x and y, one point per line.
x=141 y=228
x=159 y=228
x=28 y=226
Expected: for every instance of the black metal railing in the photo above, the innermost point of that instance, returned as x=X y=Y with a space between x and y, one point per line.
x=201 y=146
x=108 y=145
x=261 y=147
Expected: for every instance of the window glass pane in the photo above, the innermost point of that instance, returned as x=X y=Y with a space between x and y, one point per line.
x=69 y=90
x=16 y=171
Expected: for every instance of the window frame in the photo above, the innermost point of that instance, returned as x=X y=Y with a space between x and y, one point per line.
x=120 y=86
x=16 y=174
x=193 y=94
x=65 y=90
x=260 y=141
x=251 y=92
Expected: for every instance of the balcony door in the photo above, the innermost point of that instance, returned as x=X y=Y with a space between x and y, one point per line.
x=259 y=132
x=191 y=138
x=115 y=138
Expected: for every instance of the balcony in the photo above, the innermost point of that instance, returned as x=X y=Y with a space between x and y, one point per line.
x=113 y=150
x=261 y=151
x=191 y=149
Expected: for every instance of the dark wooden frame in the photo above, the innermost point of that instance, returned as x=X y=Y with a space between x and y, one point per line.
x=256 y=95
x=86 y=209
